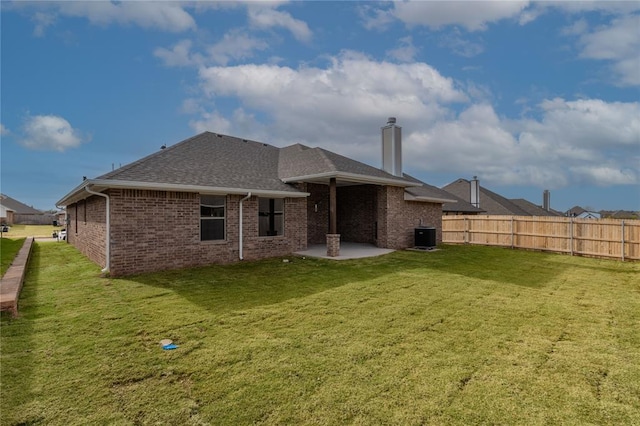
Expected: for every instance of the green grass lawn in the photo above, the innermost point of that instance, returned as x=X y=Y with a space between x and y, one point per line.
x=9 y=248
x=22 y=231
x=465 y=335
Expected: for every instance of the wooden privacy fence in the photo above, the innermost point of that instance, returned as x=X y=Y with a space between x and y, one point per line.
x=611 y=238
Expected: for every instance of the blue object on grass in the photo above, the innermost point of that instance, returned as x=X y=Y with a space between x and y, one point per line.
x=169 y=347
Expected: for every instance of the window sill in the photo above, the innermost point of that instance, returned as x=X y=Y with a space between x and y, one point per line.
x=214 y=242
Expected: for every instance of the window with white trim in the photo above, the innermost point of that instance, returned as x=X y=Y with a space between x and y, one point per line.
x=212 y=217
x=270 y=217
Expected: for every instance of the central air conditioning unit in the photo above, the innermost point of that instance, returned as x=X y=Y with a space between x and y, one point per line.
x=425 y=237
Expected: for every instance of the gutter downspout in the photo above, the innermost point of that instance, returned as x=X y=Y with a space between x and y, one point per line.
x=240 y=244
x=108 y=226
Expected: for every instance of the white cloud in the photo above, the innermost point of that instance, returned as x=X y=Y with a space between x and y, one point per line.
x=375 y=19
x=235 y=45
x=605 y=7
x=619 y=43
x=165 y=16
x=43 y=21
x=459 y=45
x=50 y=132
x=472 y=15
x=605 y=175
x=179 y=55
x=583 y=141
x=3 y=130
x=339 y=106
x=475 y=142
x=267 y=17
x=405 y=52
x=579 y=27
x=212 y=122
x=593 y=123
x=342 y=106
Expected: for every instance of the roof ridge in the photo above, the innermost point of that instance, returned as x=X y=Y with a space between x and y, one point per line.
x=326 y=159
x=495 y=196
x=128 y=166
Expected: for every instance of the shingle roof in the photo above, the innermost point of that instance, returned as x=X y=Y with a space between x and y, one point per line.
x=300 y=161
x=209 y=159
x=460 y=206
x=490 y=202
x=427 y=191
x=16 y=206
x=215 y=162
x=575 y=211
x=533 y=209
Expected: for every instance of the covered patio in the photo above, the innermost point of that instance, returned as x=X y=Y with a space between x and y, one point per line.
x=348 y=250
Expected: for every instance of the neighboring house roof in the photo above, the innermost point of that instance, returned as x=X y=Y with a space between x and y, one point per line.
x=589 y=215
x=215 y=163
x=532 y=209
x=490 y=202
x=575 y=211
x=459 y=205
x=428 y=193
x=16 y=206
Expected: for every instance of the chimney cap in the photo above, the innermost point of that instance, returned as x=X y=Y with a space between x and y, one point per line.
x=391 y=120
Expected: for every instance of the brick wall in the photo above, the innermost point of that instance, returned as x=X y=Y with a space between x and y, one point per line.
x=295 y=231
x=356 y=209
x=86 y=228
x=318 y=221
x=158 y=230
x=397 y=219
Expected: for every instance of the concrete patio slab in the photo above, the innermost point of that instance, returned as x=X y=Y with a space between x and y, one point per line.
x=347 y=251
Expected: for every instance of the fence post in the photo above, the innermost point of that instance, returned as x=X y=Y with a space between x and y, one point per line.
x=512 y=232
x=466 y=231
x=622 y=226
x=571 y=235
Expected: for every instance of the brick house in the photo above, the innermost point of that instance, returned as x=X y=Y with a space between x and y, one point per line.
x=214 y=198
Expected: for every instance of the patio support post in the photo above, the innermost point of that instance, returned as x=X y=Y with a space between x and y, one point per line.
x=333 y=238
x=333 y=221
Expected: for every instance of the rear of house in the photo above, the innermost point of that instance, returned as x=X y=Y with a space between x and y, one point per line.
x=219 y=199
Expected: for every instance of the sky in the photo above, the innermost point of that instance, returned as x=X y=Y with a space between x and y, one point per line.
x=525 y=95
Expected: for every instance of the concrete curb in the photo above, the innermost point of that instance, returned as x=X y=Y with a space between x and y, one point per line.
x=12 y=280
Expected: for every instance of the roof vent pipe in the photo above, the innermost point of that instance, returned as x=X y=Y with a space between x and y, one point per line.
x=392 y=148
x=546 y=200
x=475 y=192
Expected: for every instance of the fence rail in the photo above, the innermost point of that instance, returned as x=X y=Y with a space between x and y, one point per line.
x=610 y=238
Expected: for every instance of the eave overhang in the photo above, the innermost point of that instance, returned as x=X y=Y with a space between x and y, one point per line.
x=350 y=178
x=101 y=185
x=409 y=197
